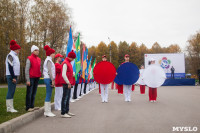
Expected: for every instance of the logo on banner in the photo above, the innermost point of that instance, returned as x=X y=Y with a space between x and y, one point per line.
x=165 y=63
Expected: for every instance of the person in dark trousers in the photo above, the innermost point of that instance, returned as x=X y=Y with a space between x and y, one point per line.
x=33 y=74
x=68 y=82
x=172 y=72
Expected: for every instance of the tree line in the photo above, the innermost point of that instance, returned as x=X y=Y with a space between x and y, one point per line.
x=32 y=22
x=46 y=22
x=135 y=51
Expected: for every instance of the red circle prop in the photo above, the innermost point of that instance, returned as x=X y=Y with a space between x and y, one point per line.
x=104 y=72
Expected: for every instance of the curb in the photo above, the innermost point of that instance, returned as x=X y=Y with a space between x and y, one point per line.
x=11 y=125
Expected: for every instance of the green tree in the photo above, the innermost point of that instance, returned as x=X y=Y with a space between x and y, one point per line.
x=102 y=49
x=114 y=54
x=193 y=53
x=174 y=48
x=123 y=49
x=142 y=50
x=92 y=52
x=156 y=48
x=134 y=54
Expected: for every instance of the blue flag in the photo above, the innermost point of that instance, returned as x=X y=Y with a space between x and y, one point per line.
x=70 y=42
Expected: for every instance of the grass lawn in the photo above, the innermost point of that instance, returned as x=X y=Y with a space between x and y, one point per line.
x=19 y=102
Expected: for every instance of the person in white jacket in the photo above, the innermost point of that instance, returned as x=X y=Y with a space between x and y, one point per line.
x=49 y=79
x=12 y=73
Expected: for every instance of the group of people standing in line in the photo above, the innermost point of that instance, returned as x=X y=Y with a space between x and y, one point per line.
x=59 y=75
x=126 y=89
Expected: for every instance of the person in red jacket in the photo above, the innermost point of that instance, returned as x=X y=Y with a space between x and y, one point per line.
x=58 y=84
x=68 y=82
x=33 y=74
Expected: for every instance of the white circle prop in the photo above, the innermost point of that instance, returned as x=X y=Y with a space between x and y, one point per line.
x=140 y=80
x=154 y=76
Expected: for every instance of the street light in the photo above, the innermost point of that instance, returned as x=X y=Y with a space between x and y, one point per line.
x=110 y=48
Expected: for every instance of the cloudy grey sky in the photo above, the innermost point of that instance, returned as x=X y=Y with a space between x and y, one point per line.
x=142 y=21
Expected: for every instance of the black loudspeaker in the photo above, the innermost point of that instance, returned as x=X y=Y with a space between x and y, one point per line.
x=198 y=74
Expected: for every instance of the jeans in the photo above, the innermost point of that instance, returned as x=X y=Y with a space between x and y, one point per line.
x=48 y=89
x=31 y=92
x=11 y=87
x=65 y=99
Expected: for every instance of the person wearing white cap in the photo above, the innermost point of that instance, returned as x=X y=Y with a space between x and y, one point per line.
x=152 y=91
x=33 y=74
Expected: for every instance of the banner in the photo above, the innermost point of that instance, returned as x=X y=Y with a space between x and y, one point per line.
x=167 y=61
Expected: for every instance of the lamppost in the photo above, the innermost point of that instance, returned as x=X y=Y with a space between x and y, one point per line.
x=110 y=48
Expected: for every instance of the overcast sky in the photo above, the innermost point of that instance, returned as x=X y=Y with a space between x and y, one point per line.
x=142 y=21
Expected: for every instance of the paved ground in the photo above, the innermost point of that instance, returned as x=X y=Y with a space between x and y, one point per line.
x=176 y=106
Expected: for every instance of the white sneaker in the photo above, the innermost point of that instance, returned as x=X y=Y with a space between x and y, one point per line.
x=151 y=101
x=77 y=99
x=30 y=109
x=72 y=101
x=65 y=116
x=154 y=101
x=36 y=108
x=71 y=114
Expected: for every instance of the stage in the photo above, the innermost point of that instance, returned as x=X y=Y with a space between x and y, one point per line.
x=179 y=82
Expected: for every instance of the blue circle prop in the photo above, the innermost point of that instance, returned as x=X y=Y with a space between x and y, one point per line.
x=127 y=74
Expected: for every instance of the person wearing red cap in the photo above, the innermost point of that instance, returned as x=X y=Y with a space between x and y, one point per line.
x=104 y=87
x=127 y=88
x=120 y=87
x=68 y=82
x=49 y=79
x=58 y=84
x=12 y=73
x=33 y=74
